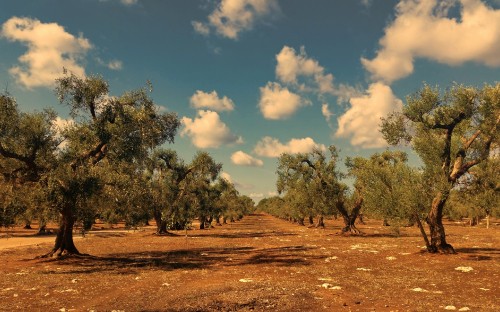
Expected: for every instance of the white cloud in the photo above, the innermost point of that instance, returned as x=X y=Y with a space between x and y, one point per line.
x=277 y=102
x=422 y=29
x=366 y=3
x=240 y=186
x=292 y=65
x=129 y=2
x=115 y=65
x=50 y=49
x=211 y=101
x=256 y=195
x=272 y=147
x=201 y=28
x=58 y=126
x=226 y=176
x=231 y=17
x=325 y=110
x=361 y=121
x=243 y=159
x=207 y=130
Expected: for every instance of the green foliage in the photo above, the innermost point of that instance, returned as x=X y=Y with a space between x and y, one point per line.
x=391 y=189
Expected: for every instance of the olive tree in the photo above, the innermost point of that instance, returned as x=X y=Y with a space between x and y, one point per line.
x=322 y=175
x=392 y=190
x=451 y=131
x=106 y=131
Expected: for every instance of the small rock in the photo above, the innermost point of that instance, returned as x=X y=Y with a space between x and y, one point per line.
x=390 y=258
x=330 y=286
x=363 y=269
x=450 y=307
x=464 y=309
x=246 y=280
x=418 y=289
x=16 y=295
x=74 y=280
x=464 y=269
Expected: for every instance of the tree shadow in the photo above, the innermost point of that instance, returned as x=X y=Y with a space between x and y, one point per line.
x=281 y=256
x=480 y=254
x=184 y=259
x=129 y=263
x=243 y=235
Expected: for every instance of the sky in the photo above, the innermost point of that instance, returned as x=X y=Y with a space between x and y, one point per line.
x=251 y=79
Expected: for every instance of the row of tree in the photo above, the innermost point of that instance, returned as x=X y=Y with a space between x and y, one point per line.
x=106 y=163
x=455 y=133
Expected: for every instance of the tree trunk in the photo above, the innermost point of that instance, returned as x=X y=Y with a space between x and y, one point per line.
x=42 y=230
x=161 y=225
x=202 y=222
x=474 y=221
x=435 y=221
x=224 y=220
x=300 y=221
x=217 y=221
x=321 y=222
x=349 y=219
x=64 y=239
x=311 y=220
x=27 y=226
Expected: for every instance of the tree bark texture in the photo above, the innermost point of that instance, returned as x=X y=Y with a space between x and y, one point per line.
x=435 y=221
x=64 y=240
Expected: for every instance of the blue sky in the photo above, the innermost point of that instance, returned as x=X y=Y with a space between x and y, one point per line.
x=251 y=79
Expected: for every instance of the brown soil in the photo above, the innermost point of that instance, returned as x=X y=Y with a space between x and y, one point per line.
x=260 y=264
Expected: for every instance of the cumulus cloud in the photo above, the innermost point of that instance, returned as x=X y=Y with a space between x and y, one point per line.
x=207 y=130
x=58 y=126
x=231 y=17
x=243 y=159
x=361 y=121
x=226 y=176
x=200 y=28
x=277 y=102
x=325 y=111
x=423 y=29
x=292 y=65
x=211 y=101
x=50 y=49
x=272 y=147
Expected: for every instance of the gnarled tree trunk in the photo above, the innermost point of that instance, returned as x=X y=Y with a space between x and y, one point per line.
x=311 y=220
x=161 y=225
x=349 y=219
x=321 y=222
x=64 y=240
x=435 y=221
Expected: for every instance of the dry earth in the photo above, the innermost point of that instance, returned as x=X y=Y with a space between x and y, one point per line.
x=260 y=264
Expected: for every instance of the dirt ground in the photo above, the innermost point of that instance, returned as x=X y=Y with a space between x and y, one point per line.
x=257 y=264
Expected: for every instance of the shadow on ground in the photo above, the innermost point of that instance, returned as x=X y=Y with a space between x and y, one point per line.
x=184 y=259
